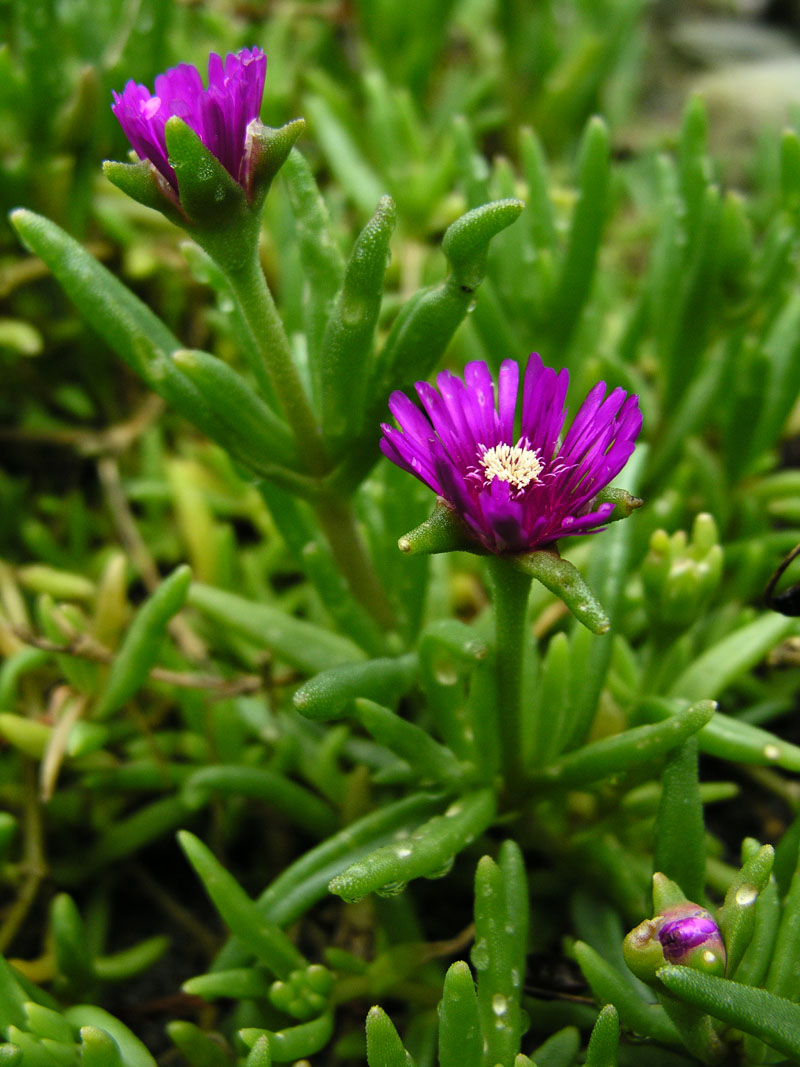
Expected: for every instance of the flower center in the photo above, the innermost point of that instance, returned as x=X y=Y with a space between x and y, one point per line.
x=515 y=464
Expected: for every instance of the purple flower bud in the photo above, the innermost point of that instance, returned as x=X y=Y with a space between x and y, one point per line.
x=219 y=114
x=516 y=492
x=680 y=936
x=684 y=934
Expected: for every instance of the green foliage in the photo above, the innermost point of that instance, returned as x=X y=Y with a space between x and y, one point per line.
x=207 y=630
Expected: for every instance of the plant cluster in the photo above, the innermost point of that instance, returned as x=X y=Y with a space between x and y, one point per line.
x=330 y=693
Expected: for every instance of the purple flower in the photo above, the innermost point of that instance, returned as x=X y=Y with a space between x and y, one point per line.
x=219 y=115
x=517 y=489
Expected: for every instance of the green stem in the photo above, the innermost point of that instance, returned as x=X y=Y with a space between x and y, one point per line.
x=340 y=528
x=277 y=375
x=275 y=369
x=510 y=589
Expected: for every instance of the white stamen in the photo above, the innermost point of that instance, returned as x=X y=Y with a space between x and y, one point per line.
x=516 y=464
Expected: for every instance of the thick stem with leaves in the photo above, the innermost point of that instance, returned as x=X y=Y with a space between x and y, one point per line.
x=339 y=525
x=335 y=514
x=510 y=589
x=258 y=307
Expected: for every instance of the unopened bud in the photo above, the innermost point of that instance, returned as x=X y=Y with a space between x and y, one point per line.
x=685 y=934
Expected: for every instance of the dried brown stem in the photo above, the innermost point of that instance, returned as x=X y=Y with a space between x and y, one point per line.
x=86 y=647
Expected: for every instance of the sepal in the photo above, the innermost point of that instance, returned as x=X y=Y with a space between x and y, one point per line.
x=267 y=150
x=443 y=531
x=565 y=580
x=208 y=193
x=142 y=182
x=624 y=503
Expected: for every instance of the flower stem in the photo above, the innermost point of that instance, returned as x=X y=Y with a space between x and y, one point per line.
x=258 y=307
x=339 y=526
x=277 y=375
x=510 y=589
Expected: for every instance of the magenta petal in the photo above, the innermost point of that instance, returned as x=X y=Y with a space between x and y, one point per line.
x=400 y=451
x=454 y=399
x=451 y=432
x=480 y=410
x=543 y=411
x=507 y=389
x=219 y=115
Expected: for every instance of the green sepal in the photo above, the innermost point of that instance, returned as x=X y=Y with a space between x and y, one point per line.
x=642 y=951
x=267 y=150
x=773 y=1019
x=305 y=993
x=666 y=893
x=624 y=503
x=565 y=580
x=680 y=574
x=208 y=193
x=143 y=183
x=443 y=531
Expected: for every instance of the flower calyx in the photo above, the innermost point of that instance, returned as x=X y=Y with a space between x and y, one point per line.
x=685 y=934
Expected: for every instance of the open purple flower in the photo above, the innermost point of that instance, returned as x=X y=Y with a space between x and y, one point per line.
x=219 y=115
x=516 y=488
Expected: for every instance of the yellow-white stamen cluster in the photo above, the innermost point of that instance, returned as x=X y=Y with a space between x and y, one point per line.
x=515 y=464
